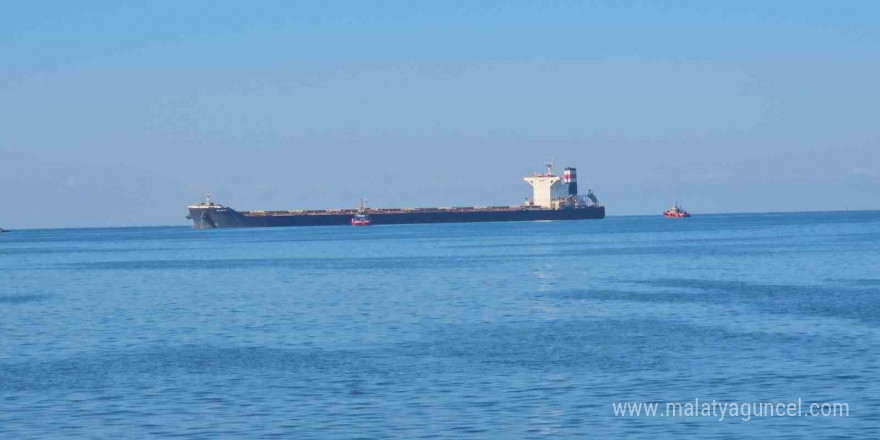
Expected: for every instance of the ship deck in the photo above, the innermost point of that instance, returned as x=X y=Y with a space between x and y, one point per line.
x=515 y=208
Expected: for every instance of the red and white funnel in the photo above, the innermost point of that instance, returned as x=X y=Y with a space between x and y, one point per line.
x=570 y=179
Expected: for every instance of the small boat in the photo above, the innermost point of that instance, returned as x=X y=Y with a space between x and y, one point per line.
x=676 y=212
x=362 y=218
x=2 y=230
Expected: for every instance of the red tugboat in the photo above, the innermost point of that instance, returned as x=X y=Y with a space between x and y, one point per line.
x=361 y=218
x=676 y=212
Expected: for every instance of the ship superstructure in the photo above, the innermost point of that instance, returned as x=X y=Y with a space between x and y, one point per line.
x=554 y=192
x=554 y=198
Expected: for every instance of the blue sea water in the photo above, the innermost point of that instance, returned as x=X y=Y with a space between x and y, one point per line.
x=501 y=331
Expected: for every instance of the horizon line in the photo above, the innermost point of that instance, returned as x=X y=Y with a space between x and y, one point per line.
x=607 y=216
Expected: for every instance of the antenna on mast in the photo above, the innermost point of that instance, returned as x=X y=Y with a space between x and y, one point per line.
x=208 y=197
x=549 y=165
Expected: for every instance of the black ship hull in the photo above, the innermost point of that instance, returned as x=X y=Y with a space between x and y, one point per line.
x=224 y=217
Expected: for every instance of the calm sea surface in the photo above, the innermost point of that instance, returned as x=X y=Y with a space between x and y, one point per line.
x=503 y=331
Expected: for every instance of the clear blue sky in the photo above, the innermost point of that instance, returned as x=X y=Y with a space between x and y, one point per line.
x=121 y=113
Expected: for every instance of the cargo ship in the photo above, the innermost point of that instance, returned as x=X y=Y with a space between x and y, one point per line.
x=554 y=198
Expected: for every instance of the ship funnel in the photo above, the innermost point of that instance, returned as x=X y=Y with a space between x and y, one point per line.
x=571 y=181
